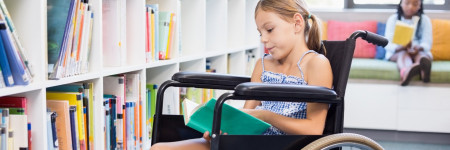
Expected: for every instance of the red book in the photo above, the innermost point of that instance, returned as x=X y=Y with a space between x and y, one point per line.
x=13 y=102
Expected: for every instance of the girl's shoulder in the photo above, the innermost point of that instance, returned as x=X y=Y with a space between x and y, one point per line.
x=318 y=60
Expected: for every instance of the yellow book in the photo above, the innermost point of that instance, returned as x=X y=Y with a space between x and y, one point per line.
x=403 y=33
x=91 y=115
x=74 y=99
x=153 y=35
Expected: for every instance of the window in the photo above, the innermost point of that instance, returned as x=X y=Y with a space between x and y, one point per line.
x=378 y=4
x=325 y=4
x=392 y=4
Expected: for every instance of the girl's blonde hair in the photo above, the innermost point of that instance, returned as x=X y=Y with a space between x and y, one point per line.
x=286 y=9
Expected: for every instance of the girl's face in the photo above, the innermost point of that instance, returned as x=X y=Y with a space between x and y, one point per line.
x=410 y=7
x=277 y=35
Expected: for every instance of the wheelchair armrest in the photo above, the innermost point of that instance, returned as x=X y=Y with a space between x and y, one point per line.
x=280 y=91
x=210 y=78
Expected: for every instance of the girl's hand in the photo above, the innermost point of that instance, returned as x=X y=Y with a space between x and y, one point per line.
x=415 y=50
x=208 y=138
x=403 y=48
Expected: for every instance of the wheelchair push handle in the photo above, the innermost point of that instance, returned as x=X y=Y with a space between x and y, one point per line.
x=370 y=37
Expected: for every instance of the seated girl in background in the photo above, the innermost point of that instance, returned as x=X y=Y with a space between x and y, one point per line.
x=414 y=58
x=291 y=35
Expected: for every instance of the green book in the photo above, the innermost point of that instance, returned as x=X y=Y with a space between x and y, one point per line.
x=16 y=111
x=234 y=121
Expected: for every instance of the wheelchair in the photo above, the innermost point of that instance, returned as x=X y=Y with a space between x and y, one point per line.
x=168 y=128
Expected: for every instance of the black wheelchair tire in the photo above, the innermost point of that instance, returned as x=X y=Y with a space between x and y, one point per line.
x=343 y=139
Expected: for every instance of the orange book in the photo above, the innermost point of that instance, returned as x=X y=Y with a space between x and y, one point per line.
x=85 y=125
x=62 y=123
x=124 y=127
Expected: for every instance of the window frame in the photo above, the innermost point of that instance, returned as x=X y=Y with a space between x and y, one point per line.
x=349 y=4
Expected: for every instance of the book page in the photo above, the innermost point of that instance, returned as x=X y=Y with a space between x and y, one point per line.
x=188 y=107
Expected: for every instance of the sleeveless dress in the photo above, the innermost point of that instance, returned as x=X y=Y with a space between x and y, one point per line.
x=289 y=109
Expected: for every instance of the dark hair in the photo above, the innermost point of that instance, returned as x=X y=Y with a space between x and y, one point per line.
x=419 y=13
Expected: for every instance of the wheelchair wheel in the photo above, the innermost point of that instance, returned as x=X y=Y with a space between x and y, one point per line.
x=343 y=140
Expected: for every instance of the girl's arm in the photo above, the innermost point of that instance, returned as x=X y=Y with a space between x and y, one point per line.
x=319 y=74
x=256 y=77
x=391 y=48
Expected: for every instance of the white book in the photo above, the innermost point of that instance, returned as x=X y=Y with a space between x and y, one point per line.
x=19 y=124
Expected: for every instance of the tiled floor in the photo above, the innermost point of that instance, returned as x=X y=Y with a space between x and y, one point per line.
x=395 y=140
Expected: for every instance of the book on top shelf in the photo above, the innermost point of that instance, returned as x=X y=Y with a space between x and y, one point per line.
x=18 y=70
x=7 y=78
x=234 y=121
x=4 y=13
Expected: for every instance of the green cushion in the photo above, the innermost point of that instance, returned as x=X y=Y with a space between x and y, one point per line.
x=440 y=72
x=374 y=69
x=386 y=70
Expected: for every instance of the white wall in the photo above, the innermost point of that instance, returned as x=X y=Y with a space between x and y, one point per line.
x=370 y=14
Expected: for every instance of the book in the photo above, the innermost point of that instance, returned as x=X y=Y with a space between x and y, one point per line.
x=2 y=82
x=62 y=123
x=13 y=102
x=155 y=30
x=72 y=116
x=19 y=124
x=75 y=99
x=164 y=25
x=403 y=32
x=234 y=121
x=4 y=13
x=4 y=64
x=19 y=74
x=79 y=89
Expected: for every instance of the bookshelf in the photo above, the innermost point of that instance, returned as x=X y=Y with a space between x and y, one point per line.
x=221 y=31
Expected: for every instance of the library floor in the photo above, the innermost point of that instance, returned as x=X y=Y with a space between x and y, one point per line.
x=397 y=140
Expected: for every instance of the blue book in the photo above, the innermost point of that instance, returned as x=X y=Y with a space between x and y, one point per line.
x=107 y=124
x=4 y=64
x=72 y=114
x=155 y=9
x=53 y=127
x=15 y=62
x=113 y=120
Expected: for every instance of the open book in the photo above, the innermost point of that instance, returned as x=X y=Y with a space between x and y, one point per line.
x=403 y=32
x=234 y=121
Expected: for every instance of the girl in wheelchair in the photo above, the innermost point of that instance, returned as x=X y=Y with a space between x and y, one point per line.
x=291 y=35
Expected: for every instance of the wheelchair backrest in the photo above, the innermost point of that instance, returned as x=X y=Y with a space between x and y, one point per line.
x=340 y=55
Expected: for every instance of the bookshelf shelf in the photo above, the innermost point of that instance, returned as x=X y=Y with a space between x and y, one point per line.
x=218 y=31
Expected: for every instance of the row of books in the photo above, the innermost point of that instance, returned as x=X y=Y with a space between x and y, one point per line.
x=160 y=32
x=70 y=118
x=15 y=131
x=123 y=112
x=69 y=27
x=198 y=95
x=151 y=90
x=14 y=66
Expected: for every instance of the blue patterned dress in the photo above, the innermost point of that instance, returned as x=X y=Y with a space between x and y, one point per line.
x=289 y=109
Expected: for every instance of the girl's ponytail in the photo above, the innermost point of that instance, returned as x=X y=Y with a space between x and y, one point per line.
x=312 y=29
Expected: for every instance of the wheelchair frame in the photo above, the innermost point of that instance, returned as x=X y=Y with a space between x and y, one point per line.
x=163 y=124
